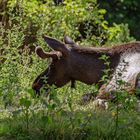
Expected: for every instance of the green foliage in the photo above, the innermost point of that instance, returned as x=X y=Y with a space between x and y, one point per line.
x=123 y=11
x=118 y=34
x=57 y=116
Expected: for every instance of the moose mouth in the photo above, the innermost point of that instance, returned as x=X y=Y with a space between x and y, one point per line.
x=40 y=81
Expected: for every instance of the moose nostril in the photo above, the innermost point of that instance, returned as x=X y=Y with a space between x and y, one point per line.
x=36 y=86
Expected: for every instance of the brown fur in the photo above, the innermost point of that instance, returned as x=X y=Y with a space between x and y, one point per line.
x=134 y=46
x=84 y=64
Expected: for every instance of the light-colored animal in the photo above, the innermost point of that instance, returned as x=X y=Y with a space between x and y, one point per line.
x=71 y=62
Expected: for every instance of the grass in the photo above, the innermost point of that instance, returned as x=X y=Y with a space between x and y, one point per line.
x=79 y=124
x=64 y=118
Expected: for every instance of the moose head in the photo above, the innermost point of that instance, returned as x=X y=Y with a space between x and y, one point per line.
x=71 y=62
x=58 y=73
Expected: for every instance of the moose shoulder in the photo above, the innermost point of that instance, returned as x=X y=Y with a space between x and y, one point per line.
x=71 y=62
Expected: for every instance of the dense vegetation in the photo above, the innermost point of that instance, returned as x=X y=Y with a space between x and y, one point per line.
x=23 y=116
x=123 y=11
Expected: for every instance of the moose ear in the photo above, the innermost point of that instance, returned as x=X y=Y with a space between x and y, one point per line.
x=42 y=54
x=56 y=45
x=68 y=40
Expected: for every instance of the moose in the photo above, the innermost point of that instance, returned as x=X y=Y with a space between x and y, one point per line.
x=72 y=62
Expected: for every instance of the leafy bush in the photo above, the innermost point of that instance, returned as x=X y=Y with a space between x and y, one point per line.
x=58 y=116
x=123 y=11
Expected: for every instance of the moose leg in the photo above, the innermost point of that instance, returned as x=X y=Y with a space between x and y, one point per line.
x=73 y=83
x=138 y=86
x=107 y=91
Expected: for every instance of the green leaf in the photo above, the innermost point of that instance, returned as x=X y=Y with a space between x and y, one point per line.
x=25 y=102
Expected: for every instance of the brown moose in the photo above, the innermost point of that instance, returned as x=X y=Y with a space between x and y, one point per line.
x=71 y=62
